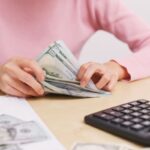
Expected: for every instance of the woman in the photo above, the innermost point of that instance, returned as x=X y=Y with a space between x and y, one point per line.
x=28 y=26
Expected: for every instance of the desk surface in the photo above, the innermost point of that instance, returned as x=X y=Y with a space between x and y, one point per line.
x=64 y=115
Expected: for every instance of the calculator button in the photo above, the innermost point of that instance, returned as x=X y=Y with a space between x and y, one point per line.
x=144 y=111
x=146 y=117
x=126 y=117
x=146 y=123
x=143 y=101
x=126 y=123
x=117 y=120
x=135 y=103
x=118 y=108
x=137 y=126
x=103 y=116
x=136 y=114
x=144 y=106
x=136 y=120
x=114 y=113
x=126 y=106
x=135 y=108
x=127 y=111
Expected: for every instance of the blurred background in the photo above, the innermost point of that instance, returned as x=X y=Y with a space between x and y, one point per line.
x=103 y=46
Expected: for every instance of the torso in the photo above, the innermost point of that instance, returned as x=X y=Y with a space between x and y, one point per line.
x=28 y=26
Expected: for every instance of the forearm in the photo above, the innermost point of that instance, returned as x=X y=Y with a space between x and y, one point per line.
x=137 y=64
x=115 y=18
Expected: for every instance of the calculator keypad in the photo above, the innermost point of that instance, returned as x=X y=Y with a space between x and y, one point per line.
x=132 y=117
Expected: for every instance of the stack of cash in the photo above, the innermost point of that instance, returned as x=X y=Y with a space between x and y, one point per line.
x=14 y=132
x=61 y=69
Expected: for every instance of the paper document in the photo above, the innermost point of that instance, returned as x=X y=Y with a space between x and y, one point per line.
x=22 y=129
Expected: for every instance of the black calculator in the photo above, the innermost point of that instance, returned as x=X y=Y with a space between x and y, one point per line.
x=130 y=120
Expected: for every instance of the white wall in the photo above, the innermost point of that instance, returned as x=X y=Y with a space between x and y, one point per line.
x=103 y=46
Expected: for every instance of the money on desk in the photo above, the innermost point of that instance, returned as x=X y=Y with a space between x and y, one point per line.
x=9 y=147
x=61 y=68
x=14 y=132
x=102 y=146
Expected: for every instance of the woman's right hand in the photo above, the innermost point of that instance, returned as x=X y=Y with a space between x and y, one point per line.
x=20 y=77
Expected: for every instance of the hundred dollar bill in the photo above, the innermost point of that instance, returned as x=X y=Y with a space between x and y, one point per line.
x=68 y=90
x=68 y=87
x=22 y=133
x=62 y=67
x=69 y=84
x=92 y=146
x=49 y=78
x=7 y=120
x=10 y=147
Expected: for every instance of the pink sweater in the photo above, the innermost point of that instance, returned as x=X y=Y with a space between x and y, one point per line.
x=28 y=26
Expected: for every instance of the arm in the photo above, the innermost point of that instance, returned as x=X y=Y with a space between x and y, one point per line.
x=114 y=17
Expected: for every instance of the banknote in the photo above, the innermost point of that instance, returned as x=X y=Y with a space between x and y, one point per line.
x=65 y=90
x=48 y=77
x=71 y=89
x=7 y=120
x=10 y=147
x=61 y=69
x=92 y=146
x=104 y=146
x=16 y=131
x=22 y=133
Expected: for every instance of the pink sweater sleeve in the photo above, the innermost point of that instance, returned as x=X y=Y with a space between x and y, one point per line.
x=114 y=17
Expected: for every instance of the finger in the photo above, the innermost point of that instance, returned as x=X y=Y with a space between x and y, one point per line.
x=11 y=91
x=82 y=70
x=26 y=78
x=112 y=83
x=91 y=70
x=28 y=70
x=23 y=88
x=105 y=79
x=34 y=66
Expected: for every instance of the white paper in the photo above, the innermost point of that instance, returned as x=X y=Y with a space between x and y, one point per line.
x=19 y=108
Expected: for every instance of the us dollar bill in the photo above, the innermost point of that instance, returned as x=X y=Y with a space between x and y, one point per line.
x=104 y=146
x=68 y=90
x=92 y=146
x=61 y=69
x=7 y=120
x=10 y=147
x=49 y=78
x=22 y=133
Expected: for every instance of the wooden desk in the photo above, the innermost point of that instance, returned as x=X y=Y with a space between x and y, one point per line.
x=64 y=115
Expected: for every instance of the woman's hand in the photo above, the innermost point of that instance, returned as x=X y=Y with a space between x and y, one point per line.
x=20 y=77
x=105 y=76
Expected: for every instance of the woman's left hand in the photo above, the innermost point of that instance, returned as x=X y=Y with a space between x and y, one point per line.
x=105 y=76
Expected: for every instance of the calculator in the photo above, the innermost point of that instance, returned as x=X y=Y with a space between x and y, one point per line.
x=130 y=120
